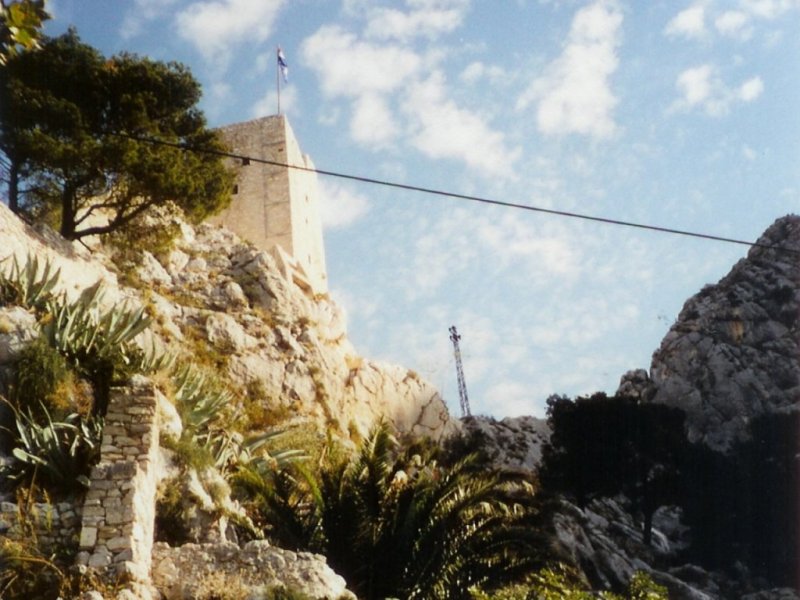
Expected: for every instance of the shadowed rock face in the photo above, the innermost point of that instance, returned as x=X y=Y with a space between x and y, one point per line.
x=733 y=352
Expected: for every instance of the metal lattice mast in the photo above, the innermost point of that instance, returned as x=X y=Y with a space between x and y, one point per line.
x=462 y=385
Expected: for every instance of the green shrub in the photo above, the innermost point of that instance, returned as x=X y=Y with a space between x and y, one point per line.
x=57 y=454
x=30 y=286
x=171 y=521
x=560 y=583
x=399 y=524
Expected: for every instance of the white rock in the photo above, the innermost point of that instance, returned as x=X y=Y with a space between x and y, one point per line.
x=18 y=328
x=176 y=262
x=151 y=271
x=226 y=334
x=170 y=424
x=178 y=572
x=79 y=268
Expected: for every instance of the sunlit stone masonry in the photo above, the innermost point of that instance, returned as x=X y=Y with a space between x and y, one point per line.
x=119 y=511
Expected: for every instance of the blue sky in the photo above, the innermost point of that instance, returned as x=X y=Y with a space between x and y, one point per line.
x=682 y=114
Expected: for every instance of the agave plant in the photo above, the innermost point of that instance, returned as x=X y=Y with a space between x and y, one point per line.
x=30 y=285
x=198 y=397
x=81 y=330
x=58 y=453
x=98 y=343
x=398 y=524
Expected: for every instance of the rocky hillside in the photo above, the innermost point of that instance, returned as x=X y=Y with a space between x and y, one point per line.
x=226 y=303
x=510 y=443
x=732 y=353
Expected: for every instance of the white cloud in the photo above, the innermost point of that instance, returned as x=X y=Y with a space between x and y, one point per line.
x=545 y=252
x=751 y=89
x=143 y=12
x=701 y=87
x=215 y=27
x=737 y=23
x=695 y=84
x=507 y=242
x=587 y=321
x=378 y=78
x=574 y=94
x=749 y=153
x=441 y=129
x=514 y=399
x=340 y=206
x=734 y=23
x=428 y=18
x=350 y=67
x=689 y=23
x=373 y=123
x=768 y=9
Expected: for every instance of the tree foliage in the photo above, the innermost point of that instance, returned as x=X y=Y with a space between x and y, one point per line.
x=604 y=446
x=20 y=26
x=742 y=506
x=73 y=126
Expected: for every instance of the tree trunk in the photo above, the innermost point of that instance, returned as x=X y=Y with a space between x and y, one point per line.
x=647 y=533
x=13 y=187
x=68 y=211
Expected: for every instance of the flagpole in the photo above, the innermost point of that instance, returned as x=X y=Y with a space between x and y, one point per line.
x=278 y=78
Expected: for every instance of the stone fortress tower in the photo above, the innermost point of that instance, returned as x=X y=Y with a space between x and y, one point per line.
x=275 y=207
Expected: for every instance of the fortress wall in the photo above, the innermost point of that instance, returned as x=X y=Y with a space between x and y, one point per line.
x=276 y=206
x=309 y=250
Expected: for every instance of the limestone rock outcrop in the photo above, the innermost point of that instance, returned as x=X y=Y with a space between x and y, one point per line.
x=606 y=544
x=79 y=268
x=216 y=295
x=512 y=443
x=196 y=570
x=733 y=352
x=283 y=343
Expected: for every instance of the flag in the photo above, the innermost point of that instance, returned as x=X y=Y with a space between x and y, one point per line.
x=283 y=66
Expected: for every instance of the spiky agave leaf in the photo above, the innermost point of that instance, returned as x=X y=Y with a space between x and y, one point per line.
x=31 y=285
x=198 y=399
x=57 y=451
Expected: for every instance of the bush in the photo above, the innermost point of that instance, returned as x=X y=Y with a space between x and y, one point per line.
x=559 y=583
x=57 y=455
x=42 y=377
x=395 y=523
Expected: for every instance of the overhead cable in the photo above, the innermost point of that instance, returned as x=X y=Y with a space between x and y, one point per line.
x=444 y=193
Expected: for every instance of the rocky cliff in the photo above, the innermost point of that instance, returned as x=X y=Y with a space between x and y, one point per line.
x=225 y=302
x=732 y=353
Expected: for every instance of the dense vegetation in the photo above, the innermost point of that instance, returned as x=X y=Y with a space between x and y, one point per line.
x=604 y=446
x=398 y=523
x=76 y=130
x=20 y=26
x=742 y=506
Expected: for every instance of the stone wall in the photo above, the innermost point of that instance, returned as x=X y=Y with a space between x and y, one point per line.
x=54 y=527
x=119 y=511
x=273 y=207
